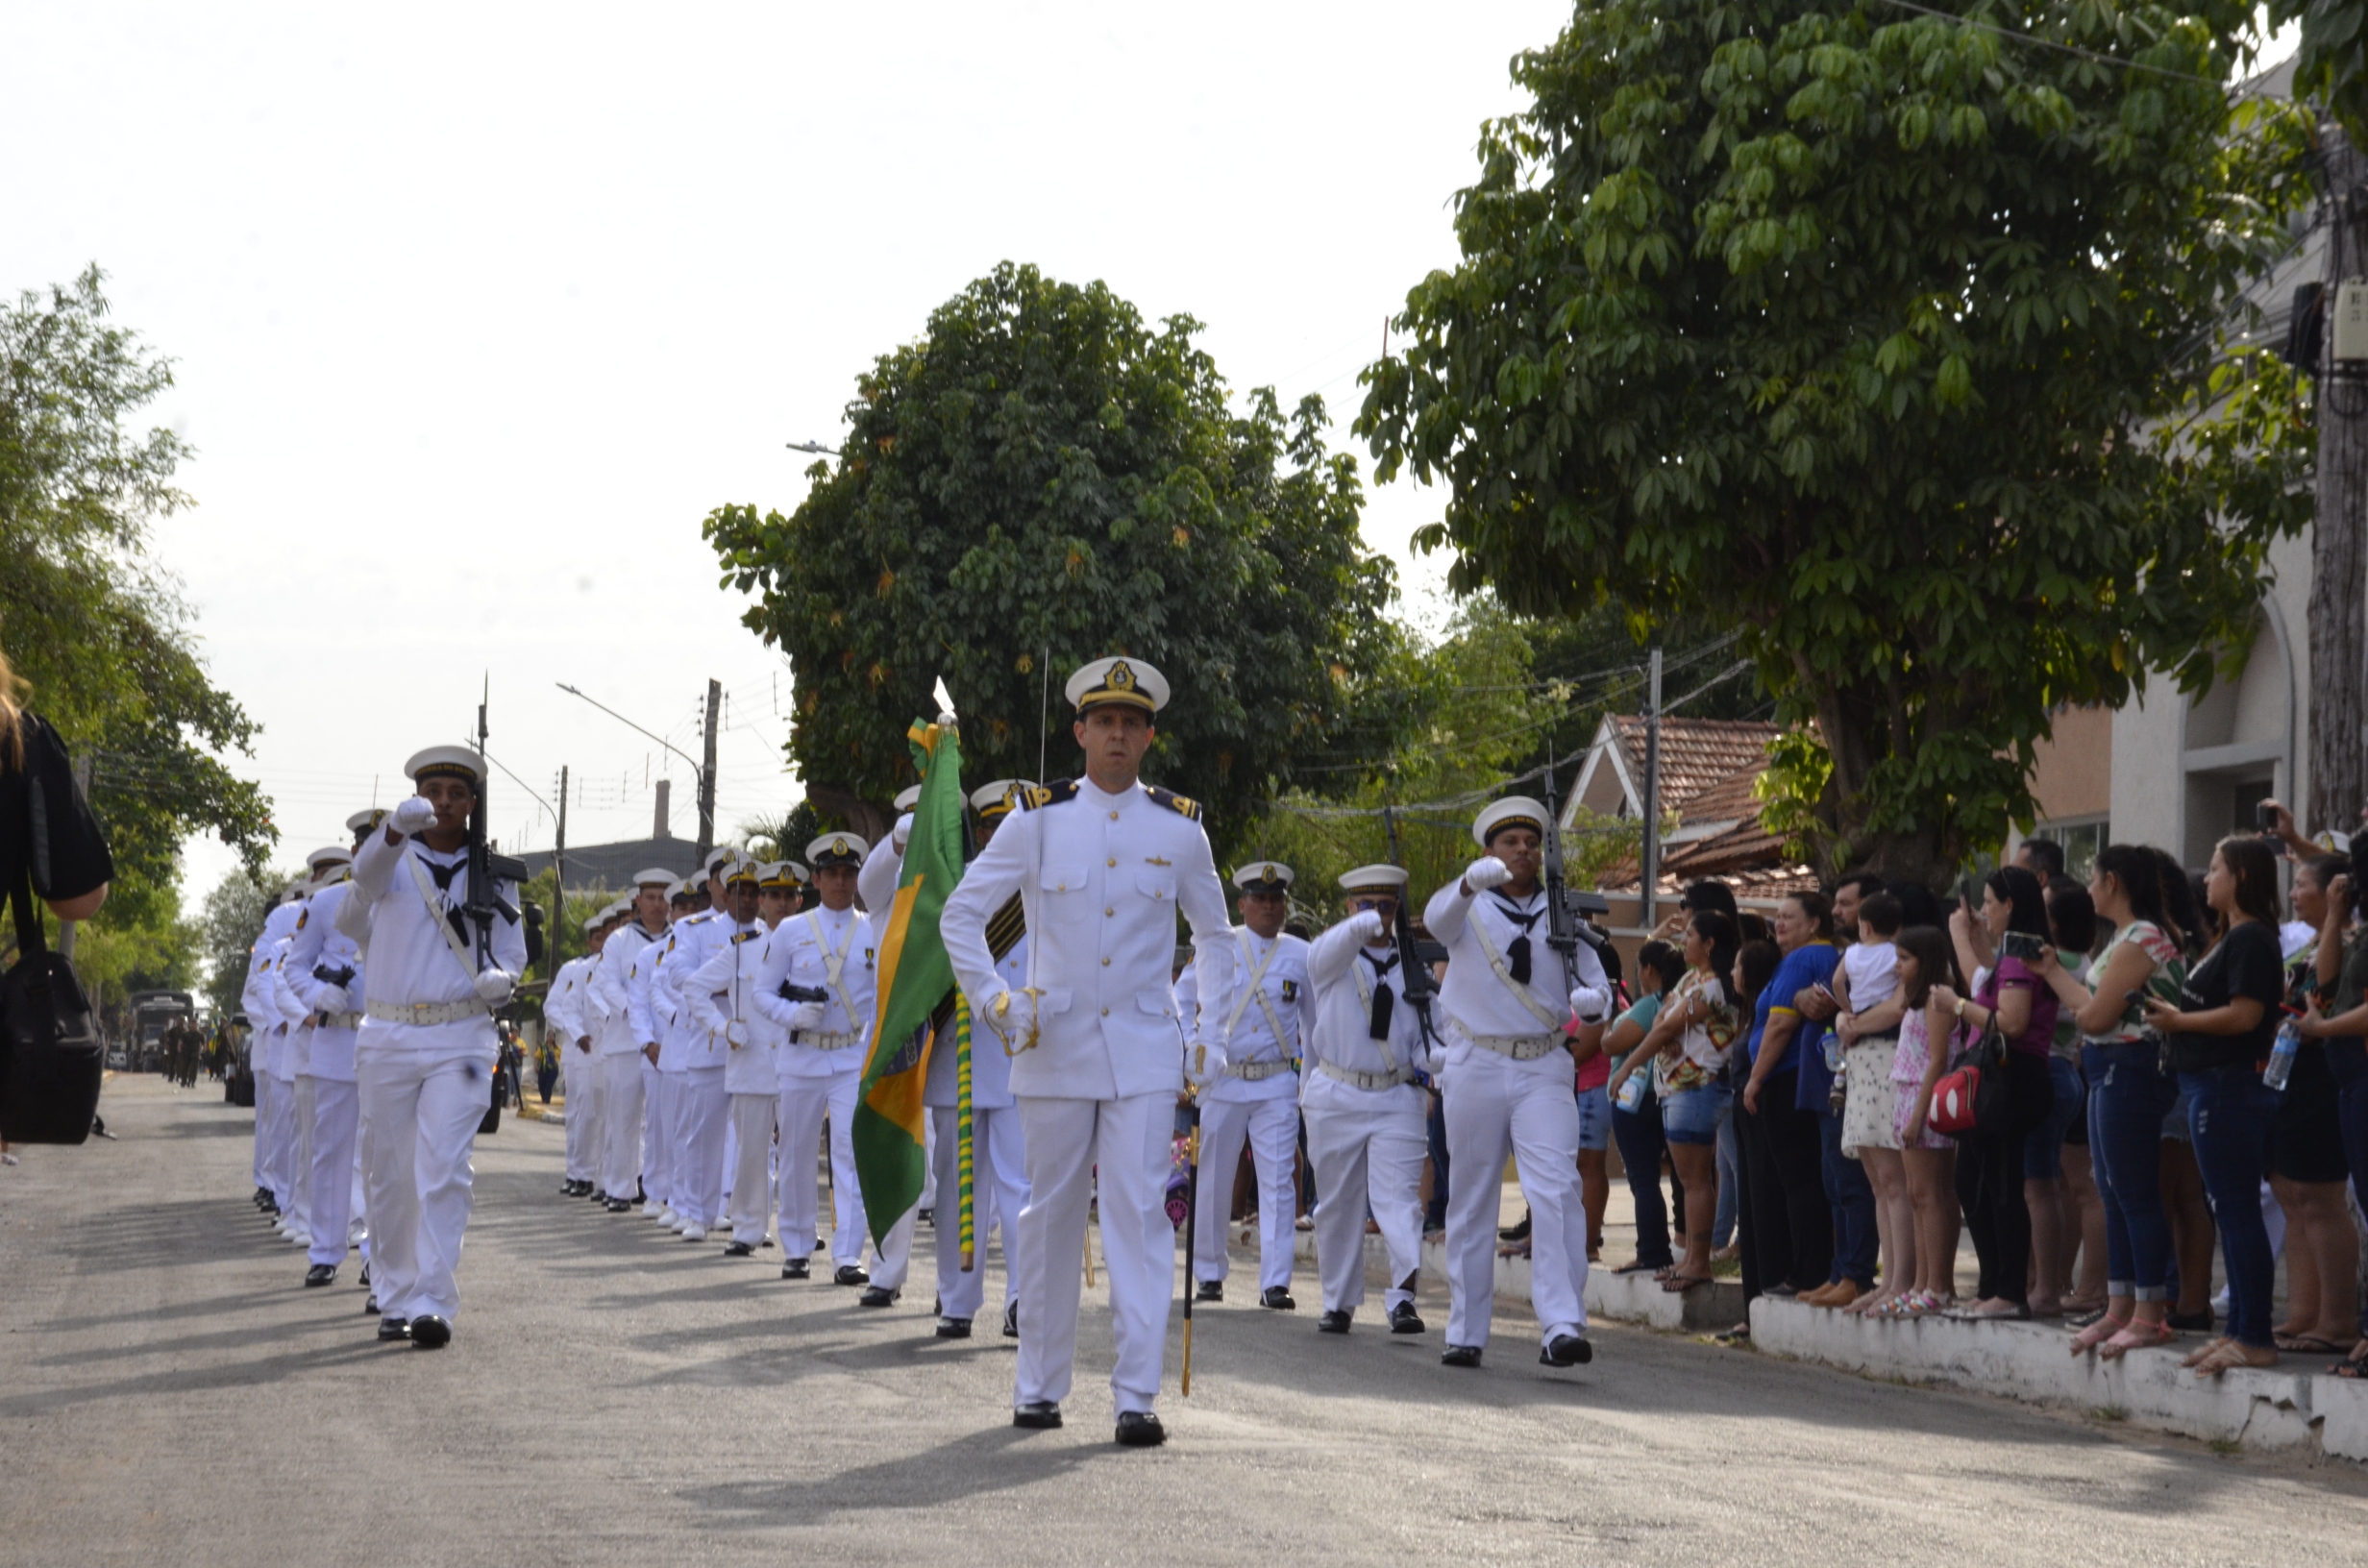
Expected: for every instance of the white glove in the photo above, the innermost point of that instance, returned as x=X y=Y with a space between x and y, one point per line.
x=806 y=1015
x=737 y=1034
x=1013 y=1013
x=1368 y=925
x=354 y=1001
x=1589 y=1003
x=494 y=986
x=902 y=833
x=412 y=813
x=1203 y=1063
x=1486 y=872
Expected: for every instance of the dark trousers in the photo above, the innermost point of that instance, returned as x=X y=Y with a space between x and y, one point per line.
x=2229 y=1109
x=1989 y=1183
x=1851 y=1197
x=1787 y=1226
x=1637 y=1133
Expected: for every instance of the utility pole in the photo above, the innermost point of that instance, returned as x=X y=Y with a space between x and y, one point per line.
x=2339 y=525
x=1650 y=860
x=706 y=771
x=558 y=879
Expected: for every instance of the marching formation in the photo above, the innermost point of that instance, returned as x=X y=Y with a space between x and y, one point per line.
x=715 y=1039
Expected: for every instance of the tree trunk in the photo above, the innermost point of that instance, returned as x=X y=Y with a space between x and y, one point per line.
x=2338 y=693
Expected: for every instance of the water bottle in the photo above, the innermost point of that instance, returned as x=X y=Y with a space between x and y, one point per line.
x=2281 y=1055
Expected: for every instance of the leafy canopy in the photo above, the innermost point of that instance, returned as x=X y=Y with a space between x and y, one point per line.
x=1896 y=343
x=94 y=626
x=2332 y=63
x=1045 y=473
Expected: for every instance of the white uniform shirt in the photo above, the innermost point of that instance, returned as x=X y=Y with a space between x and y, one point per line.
x=609 y=994
x=795 y=953
x=687 y=1042
x=1345 y=975
x=318 y=945
x=725 y=991
x=258 y=999
x=567 y=1005
x=1102 y=877
x=410 y=961
x=1473 y=1001
x=1281 y=966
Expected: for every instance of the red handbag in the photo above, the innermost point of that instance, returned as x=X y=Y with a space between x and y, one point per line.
x=1970 y=1099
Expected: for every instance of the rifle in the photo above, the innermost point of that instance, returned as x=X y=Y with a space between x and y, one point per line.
x=1564 y=929
x=484 y=899
x=333 y=978
x=1414 y=975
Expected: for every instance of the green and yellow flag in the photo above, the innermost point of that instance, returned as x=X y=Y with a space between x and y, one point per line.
x=890 y=1127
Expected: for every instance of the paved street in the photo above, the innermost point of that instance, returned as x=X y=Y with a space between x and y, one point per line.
x=169 y=1394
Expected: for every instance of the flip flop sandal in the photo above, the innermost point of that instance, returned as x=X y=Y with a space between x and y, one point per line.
x=2306 y=1344
x=2351 y=1368
x=1677 y=1283
x=2137 y=1335
x=2096 y=1333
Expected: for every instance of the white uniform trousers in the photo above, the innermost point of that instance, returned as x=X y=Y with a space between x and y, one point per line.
x=328 y=1205
x=275 y=1136
x=422 y=1121
x=1130 y=1140
x=262 y=1132
x=1495 y=1105
x=999 y=1191
x=1271 y=1128
x=804 y=1103
x=622 y=1115
x=661 y=1126
x=699 y=1159
x=928 y=1178
x=1367 y=1157
x=300 y=1157
x=752 y=1117
x=580 y=1083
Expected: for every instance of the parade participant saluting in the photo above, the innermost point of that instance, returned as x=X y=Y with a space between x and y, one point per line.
x=1366 y=1133
x=1103 y=863
x=1508 y=1081
x=1258 y=1024
x=427 y=1047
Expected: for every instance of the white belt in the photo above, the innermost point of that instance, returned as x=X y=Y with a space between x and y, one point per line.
x=1251 y=1072
x=342 y=1021
x=1356 y=1079
x=1519 y=1048
x=822 y=1042
x=423 y=1012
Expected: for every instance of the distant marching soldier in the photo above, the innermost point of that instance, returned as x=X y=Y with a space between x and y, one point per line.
x=706 y=1092
x=1259 y=1024
x=834 y=948
x=427 y=1047
x=324 y=868
x=1104 y=864
x=325 y=969
x=267 y=1026
x=691 y=1155
x=1507 y=1083
x=727 y=988
x=565 y=1023
x=1366 y=1135
x=997 y=1152
x=653 y=1018
x=631 y=948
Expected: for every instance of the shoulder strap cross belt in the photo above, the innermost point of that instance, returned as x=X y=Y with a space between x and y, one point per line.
x=425 y=1012
x=1253 y=988
x=835 y=965
x=1356 y=1079
x=436 y=906
x=1496 y=961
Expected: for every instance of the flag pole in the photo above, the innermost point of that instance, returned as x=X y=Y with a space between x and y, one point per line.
x=1192 y=1212
x=963 y=1153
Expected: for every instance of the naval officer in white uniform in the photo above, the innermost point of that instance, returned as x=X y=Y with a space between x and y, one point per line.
x=1259 y=1023
x=565 y=1021
x=1103 y=865
x=424 y=1055
x=325 y=969
x=1507 y=1083
x=618 y=1041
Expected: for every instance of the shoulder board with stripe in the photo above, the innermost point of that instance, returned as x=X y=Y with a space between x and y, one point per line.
x=1049 y=794
x=700 y=919
x=302 y=915
x=1182 y=807
x=744 y=936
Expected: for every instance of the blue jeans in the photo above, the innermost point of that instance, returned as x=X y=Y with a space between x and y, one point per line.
x=1853 y=1197
x=1637 y=1133
x=2229 y=1111
x=2129 y=1094
x=2043 y=1149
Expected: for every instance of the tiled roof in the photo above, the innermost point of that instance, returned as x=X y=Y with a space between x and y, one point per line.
x=1695 y=753
x=1737 y=847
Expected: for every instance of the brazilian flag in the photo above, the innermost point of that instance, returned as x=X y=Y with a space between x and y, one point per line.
x=915 y=978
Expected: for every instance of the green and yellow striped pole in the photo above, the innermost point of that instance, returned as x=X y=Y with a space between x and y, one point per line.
x=962 y=1128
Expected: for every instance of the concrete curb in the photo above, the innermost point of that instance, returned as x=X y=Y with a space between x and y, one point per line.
x=2274 y=1409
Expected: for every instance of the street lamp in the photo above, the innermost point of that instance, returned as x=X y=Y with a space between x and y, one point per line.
x=705 y=772
x=815 y=447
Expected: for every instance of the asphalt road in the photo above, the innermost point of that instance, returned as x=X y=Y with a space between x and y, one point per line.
x=170 y=1394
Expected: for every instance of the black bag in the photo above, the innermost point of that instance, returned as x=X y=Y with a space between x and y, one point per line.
x=1973 y=1100
x=50 y=1056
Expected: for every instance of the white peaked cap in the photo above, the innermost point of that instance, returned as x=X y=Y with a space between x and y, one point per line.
x=1001 y=795
x=329 y=854
x=1120 y=680
x=1383 y=879
x=446 y=762
x=908 y=797
x=1264 y=876
x=1513 y=811
x=655 y=877
x=838 y=850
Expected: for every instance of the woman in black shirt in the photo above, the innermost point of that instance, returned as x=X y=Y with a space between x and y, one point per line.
x=2218 y=1037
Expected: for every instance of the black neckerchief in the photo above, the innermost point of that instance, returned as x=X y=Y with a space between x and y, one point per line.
x=1516 y=952
x=1385 y=1000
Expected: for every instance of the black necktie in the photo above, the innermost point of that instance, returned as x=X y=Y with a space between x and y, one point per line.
x=1516 y=954
x=444 y=876
x=1377 y=1027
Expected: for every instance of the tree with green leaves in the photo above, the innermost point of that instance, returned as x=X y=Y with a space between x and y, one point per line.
x=94 y=626
x=228 y=923
x=2332 y=63
x=1900 y=344
x=1045 y=477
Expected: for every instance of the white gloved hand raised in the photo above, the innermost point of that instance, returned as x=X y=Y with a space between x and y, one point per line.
x=902 y=833
x=495 y=985
x=412 y=813
x=1589 y=1003
x=1368 y=925
x=1486 y=872
x=806 y=1015
x=1203 y=1064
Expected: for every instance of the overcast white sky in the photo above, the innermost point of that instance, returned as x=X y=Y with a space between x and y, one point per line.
x=539 y=286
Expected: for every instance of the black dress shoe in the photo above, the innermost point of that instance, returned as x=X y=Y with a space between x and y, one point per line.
x=1461 y=1356
x=598 y=1197
x=850 y=1274
x=953 y=1328
x=393 y=1327
x=1515 y=1233
x=1210 y=1291
x=739 y=1249
x=1141 y=1429
x=1332 y=1323
x=1042 y=1415
x=364 y=1280
x=1011 y=1320
x=795 y=1268
x=1279 y=1299
x=1567 y=1350
x=1404 y=1319
x=877 y=1295
x=618 y=1206
x=430 y=1332
x=370 y=1307
x=928 y=1217
x=567 y=1189
x=320 y=1274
